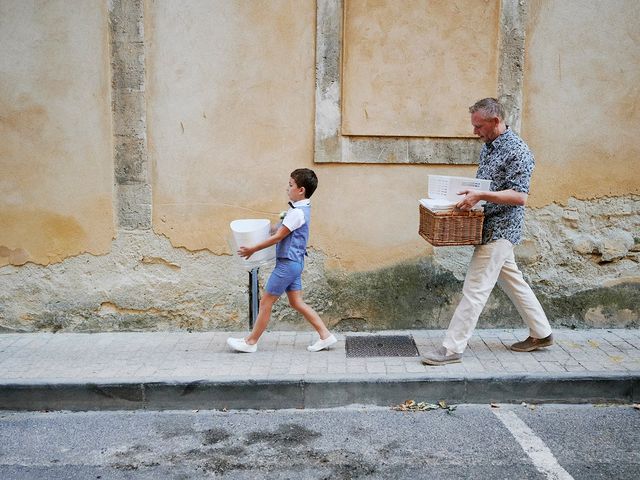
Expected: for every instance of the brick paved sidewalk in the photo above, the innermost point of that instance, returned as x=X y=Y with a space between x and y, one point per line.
x=183 y=357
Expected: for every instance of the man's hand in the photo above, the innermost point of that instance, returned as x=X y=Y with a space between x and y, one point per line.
x=503 y=197
x=246 y=252
x=471 y=197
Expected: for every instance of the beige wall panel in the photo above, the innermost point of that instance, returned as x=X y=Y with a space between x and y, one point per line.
x=366 y=217
x=55 y=125
x=582 y=99
x=230 y=112
x=411 y=67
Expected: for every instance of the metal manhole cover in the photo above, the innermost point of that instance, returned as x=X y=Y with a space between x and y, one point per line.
x=381 y=346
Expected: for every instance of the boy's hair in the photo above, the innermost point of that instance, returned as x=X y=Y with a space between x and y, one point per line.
x=306 y=178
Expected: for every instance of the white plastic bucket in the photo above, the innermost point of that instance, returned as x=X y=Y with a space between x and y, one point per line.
x=248 y=232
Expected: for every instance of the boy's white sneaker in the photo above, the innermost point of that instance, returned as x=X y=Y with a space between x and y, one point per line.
x=322 y=344
x=239 y=345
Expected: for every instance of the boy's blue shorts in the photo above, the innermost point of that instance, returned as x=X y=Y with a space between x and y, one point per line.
x=285 y=277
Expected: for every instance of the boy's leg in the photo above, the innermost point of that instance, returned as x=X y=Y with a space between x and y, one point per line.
x=264 y=315
x=275 y=287
x=310 y=315
x=278 y=281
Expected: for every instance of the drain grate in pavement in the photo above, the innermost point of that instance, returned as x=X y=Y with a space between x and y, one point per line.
x=381 y=346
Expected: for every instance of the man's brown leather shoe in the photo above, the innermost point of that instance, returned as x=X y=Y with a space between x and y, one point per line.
x=531 y=344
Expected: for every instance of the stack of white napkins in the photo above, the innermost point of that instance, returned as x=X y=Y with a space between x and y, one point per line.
x=442 y=204
x=438 y=204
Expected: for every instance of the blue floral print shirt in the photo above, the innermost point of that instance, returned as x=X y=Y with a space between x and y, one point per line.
x=508 y=163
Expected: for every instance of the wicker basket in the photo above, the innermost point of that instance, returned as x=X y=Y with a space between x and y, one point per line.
x=451 y=228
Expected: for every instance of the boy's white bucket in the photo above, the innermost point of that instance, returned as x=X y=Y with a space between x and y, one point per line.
x=248 y=232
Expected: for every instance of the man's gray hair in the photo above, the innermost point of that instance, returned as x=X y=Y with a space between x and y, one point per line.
x=490 y=107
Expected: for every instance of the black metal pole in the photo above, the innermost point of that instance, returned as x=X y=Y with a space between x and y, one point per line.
x=254 y=296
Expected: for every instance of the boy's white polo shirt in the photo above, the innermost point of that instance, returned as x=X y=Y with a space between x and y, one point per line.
x=295 y=217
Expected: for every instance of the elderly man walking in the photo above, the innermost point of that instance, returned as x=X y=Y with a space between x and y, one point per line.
x=507 y=161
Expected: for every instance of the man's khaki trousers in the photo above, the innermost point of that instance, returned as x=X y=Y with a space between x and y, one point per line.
x=491 y=263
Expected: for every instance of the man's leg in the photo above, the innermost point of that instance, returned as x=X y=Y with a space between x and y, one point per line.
x=528 y=306
x=483 y=272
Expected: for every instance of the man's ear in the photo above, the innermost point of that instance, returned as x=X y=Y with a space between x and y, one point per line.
x=303 y=191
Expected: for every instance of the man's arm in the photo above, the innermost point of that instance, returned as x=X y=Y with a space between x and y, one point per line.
x=504 y=197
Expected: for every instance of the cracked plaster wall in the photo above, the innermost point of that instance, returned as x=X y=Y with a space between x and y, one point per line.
x=222 y=128
x=584 y=268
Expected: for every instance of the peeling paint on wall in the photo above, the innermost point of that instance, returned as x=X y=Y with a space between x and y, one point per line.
x=56 y=169
x=578 y=259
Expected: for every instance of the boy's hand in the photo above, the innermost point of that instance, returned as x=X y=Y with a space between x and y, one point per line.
x=246 y=252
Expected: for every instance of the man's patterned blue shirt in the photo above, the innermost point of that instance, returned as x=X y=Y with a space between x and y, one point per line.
x=508 y=163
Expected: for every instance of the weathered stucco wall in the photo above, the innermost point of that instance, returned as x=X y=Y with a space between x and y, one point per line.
x=392 y=87
x=230 y=112
x=582 y=99
x=55 y=153
x=227 y=151
x=214 y=105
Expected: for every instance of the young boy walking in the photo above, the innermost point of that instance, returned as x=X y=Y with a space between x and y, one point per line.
x=291 y=239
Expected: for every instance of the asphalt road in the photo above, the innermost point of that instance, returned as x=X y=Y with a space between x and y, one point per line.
x=472 y=441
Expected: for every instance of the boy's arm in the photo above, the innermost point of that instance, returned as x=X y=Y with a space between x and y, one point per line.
x=246 y=252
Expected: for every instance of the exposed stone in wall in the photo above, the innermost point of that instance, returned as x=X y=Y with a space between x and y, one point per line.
x=131 y=171
x=143 y=284
x=582 y=261
x=513 y=21
x=574 y=248
x=585 y=244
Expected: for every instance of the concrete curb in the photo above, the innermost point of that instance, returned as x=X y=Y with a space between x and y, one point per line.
x=318 y=392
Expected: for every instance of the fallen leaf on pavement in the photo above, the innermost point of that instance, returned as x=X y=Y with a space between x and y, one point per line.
x=495 y=405
x=413 y=406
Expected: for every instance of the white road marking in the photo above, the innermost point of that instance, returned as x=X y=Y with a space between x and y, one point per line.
x=532 y=445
